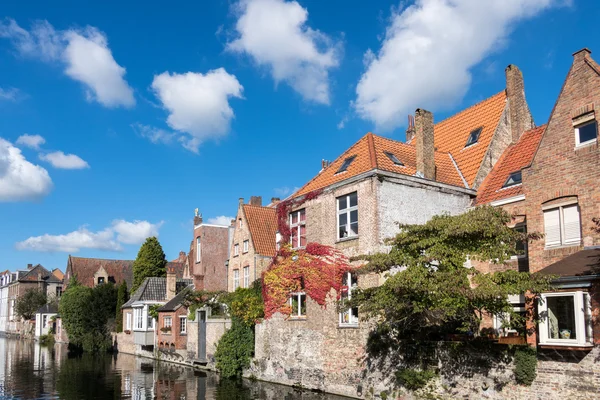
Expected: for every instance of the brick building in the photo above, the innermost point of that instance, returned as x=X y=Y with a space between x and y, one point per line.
x=93 y=271
x=209 y=251
x=253 y=242
x=172 y=322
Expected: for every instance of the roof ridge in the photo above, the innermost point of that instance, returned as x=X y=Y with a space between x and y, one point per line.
x=407 y=144
x=96 y=258
x=471 y=106
x=372 y=155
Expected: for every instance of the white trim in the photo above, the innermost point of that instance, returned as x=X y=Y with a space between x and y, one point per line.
x=582 y=319
x=347 y=211
x=587 y=142
x=561 y=204
x=182 y=331
x=299 y=311
x=458 y=170
x=212 y=225
x=508 y=200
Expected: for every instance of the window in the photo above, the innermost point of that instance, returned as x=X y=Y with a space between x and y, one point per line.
x=393 y=158
x=247 y=276
x=346 y=164
x=236 y=250
x=236 y=279
x=183 y=325
x=505 y=325
x=167 y=322
x=198 y=253
x=100 y=280
x=349 y=284
x=298 y=304
x=58 y=291
x=239 y=223
x=521 y=246
x=565 y=318
x=128 y=321
x=347 y=215
x=138 y=318
x=561 y=226
x=473 y=137
x=513 y=179
x=44 y=320
x=586 y=133
x=298 y=228
x=149 y=322
x=246 y=242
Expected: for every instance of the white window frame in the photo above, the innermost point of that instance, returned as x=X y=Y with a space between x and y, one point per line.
x=236 y=250
x=562 y=241
x=583 y=320
x=525 y=241
x=198 y=250
x=579 y=125
x=346 y=211
x=352 y=321
x=297 y=227
x=236 y=279
x=298 y=314
x=182 y=325
x=246 y=246
x=128 y=320
x=138 y=318
x=246 y=276
x=167 y=322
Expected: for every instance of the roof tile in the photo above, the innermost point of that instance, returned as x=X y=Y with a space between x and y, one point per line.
x=262 y=222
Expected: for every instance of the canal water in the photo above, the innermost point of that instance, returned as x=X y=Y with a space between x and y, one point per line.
x=31 y=371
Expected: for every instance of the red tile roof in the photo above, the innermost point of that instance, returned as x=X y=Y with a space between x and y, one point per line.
x=85 y=268
x=370 y=155
x=262 y=223
x=515 y=157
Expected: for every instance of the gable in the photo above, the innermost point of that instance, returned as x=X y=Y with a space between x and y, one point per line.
x=86 y=269
x=262 y=224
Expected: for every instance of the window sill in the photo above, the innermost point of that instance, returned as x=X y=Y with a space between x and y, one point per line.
x=566 y=346
x=469 y=146
x=586 y=144
x=562 y=246
x=297 y=319
x=347 y=239
x=348 y=326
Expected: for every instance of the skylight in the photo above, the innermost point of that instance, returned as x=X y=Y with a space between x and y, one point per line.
x=513 y=179
x=346 y=164
x=473 y=137
x=393 y=158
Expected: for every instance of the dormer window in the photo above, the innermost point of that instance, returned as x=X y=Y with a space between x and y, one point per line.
x=586 y=133
x=393 y=158
x=346 y=164
x=473 y=137
x=513 y=179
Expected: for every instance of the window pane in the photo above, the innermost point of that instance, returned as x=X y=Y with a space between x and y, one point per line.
x=343 y=231
x=342 y=203
x=294 y=218
x=353 y=200
x=302 y=215
x=354 y=216
x=561 y=317
x=587 y=132
x=303 y=235
x=294 y=237
x=343 y=218
x=354 y=229
x=302 y=304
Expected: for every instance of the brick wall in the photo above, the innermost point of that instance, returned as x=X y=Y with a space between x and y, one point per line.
x=210 y=272
x=173 y=339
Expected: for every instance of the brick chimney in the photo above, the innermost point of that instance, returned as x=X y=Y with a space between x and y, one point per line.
x=29 y=266
x=171 y=283
x=275 y=201
x=240 y=201
x=424 y=144
x=324 y=164
x=520 y=117
x=197 y=217
x=410 y=130
x=256 y=201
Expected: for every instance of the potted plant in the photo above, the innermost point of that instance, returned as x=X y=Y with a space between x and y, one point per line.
x=165 y=329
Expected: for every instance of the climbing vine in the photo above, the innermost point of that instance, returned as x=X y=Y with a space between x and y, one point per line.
x=285 y=208
x=314 y=270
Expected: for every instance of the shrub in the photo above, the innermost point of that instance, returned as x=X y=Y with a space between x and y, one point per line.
x=235 y=349
x=413 y=379
x=525 y=365
x=28 y=304
x=47 y=340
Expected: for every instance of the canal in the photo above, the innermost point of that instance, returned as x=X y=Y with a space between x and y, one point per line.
x=31 y=371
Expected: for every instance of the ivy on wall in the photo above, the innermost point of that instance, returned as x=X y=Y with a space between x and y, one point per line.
x=285 y=208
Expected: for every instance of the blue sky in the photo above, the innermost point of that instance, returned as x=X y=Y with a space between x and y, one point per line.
x=118 y=120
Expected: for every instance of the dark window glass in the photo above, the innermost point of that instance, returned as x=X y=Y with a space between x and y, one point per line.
x=513 y=179
x=353 y=200
x=346 y=164
x=393 y=158
x=473 y=137
x=587 y=132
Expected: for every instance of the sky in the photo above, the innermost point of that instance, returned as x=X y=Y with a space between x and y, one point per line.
x=118 y=119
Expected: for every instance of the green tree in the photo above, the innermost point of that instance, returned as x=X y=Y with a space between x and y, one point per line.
x=435 y=294
x=122 y=297
x=150 y=262
x=235 y=349
x=29 y=303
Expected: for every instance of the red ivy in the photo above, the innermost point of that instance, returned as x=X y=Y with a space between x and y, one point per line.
x=314 y=270
x=285 y=208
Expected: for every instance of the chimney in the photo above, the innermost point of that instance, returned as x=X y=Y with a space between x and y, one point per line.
x=325 y=164
x=171 y=283
x=197 y=217
x=275 y=201
x=424 y=144
x=581 y=54
x=240 y=201
x=520 y=117
x=410 y=130
x=182 y=256
x=256 y=201
x=29 y=266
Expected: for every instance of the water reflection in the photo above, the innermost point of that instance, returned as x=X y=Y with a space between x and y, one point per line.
x=30 y=371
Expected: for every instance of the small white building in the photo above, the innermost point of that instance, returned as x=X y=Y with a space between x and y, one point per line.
x=43 y=319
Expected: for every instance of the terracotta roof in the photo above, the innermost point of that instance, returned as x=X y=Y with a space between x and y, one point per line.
x=85 y=268
x=451 y=134
x=179 y=267
x=584 y=262
x=155 y=289
x=37 y=272
x=262 y=223
x=516 y=157
x=58 y=273
x=370 y=154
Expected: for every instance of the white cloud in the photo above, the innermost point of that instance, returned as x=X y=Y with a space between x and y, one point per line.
x=31 y=141
x=85 y=54
x=153 y=134
x=275 y=34
x=284 y=191
x=220 y=220
x=9 y=94
x=198 y=104
x=58 y=159
x=428 y=51
x=134 y=232
x=19 y=178
x=109 y=239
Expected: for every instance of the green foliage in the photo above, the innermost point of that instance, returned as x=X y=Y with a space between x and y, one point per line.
x=29 y=303
x=436 y=295
x=525 y=365
x=246 y=304
x=122 y=297
x=86 y=314
x=414 y=379
x=47 y=340
x=153 y=310
x=235 y=349
x=150 y=262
